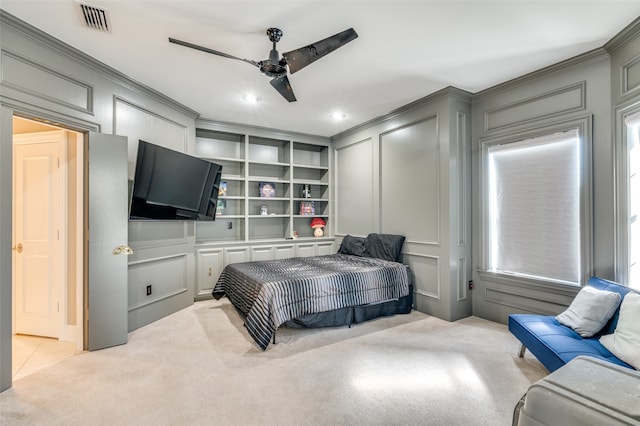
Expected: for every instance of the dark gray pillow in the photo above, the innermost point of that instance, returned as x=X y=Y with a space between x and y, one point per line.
x=353 y=245
x=385 y=246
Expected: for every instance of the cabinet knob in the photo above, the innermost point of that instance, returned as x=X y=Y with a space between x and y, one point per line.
x=209 y=271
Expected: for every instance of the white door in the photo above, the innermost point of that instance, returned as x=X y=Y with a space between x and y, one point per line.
x=107 y=317
x=37 y=233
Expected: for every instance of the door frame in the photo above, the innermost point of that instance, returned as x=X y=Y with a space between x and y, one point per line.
x=7 y=112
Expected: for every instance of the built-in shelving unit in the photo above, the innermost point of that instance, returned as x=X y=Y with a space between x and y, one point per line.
x=296 y=169
x=253 y=227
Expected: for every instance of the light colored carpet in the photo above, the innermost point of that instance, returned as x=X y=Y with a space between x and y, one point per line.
x=199 y=366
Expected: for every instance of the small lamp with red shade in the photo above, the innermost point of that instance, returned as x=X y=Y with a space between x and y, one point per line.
x=317 y=224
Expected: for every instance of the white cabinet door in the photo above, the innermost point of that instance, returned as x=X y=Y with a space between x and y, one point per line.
x=305 y=249
x=285 y=251
x=262 y=253
x=236 y=255
x=210 y=265
x=325 y=248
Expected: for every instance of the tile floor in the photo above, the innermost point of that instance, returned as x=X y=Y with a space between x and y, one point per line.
x=32 y=353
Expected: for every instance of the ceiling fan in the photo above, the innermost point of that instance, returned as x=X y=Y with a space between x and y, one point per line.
x=276 y=67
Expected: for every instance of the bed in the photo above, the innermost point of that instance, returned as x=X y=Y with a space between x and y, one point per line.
x=364 y=280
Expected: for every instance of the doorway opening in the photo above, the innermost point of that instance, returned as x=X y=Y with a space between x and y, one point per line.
x=48 y=256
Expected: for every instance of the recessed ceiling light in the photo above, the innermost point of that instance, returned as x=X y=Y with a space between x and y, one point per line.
x=337 y=116
x=251 y=98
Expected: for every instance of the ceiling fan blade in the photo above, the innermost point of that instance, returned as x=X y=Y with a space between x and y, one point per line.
x=281 y=84
x=207 y=50
x=300 y=58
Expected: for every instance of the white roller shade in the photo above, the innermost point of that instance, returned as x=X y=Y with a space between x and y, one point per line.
x=534 y=194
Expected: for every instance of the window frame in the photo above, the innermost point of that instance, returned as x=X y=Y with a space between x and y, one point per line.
x=583 y=125
x=621 y=171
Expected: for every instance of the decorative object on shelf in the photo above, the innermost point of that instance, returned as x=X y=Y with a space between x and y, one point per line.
x=264 y=211
x=222 y=190
x=307 y=208
x=295 y=235
x=267 y=189
x=220 y=206
x=317 y=224
x=306 y=190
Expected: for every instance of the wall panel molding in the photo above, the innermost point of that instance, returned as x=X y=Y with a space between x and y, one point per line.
x=353 y=189
x=461 y=279
x=159 y=272
x=34 y=79
x=512 y=299
x=410 y=181
x=426 y=272
x=462 y=164
x=630 y=80
x=554 y=103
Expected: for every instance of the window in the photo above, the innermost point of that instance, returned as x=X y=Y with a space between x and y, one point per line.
x=632 y=177
x=535 y=191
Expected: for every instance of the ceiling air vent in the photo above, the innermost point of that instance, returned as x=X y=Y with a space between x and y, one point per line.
x=95 y=17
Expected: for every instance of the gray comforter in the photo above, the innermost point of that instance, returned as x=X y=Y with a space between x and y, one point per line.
x=275 y=291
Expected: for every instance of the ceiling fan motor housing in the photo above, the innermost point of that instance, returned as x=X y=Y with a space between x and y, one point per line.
x=273 y=67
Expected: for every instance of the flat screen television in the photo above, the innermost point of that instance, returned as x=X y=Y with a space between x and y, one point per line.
x=171 y=185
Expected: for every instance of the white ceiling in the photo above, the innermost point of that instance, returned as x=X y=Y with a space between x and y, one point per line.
x=405 y=49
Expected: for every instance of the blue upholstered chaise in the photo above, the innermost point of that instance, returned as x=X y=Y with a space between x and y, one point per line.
x=555 y=344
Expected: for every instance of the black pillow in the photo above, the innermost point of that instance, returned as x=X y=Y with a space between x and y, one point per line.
x=353 y=245
x=385 y=246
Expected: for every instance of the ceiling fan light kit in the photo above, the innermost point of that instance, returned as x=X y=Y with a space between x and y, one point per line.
x=275 y=66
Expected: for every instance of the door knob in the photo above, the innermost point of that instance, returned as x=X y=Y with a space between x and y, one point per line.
x=18 y=248
x=126 y=250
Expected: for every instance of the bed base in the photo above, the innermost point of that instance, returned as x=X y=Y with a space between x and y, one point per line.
x=353 y=314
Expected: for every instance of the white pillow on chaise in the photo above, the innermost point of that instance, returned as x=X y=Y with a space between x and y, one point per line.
x=590 y=310
x=624 y=342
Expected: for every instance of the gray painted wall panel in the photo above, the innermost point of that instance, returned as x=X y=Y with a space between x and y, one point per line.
x=560 y=101
x=38 y=80
x=137 y=122
x=354 y=189
x=410 y=181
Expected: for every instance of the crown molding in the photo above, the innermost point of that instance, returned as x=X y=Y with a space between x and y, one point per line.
x=629 y=33
x=447 y=92
x=8 y=21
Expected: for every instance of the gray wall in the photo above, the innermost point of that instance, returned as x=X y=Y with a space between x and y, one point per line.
x=598 y=85
x=45 y=79
x=576 y=89
x=408 y=173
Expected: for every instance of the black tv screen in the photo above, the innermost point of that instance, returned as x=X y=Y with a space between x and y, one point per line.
x=171 y=185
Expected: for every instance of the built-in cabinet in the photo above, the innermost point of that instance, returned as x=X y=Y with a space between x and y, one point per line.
x=211 y=260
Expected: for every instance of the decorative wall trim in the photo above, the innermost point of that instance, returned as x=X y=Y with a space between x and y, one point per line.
x=447 y=92
x=53 y=118
x=425 y=293
x=545 y=106
x=630 y=79
x=120 y=100
x=149 y=244
x=336 y=194
x=584 y=59
x=34 y=79
x=628 y=34
x=436 y=184
x=461 y=276
x=51 y=43
x=172 y=292
x=462 y=165
x=512 y=299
